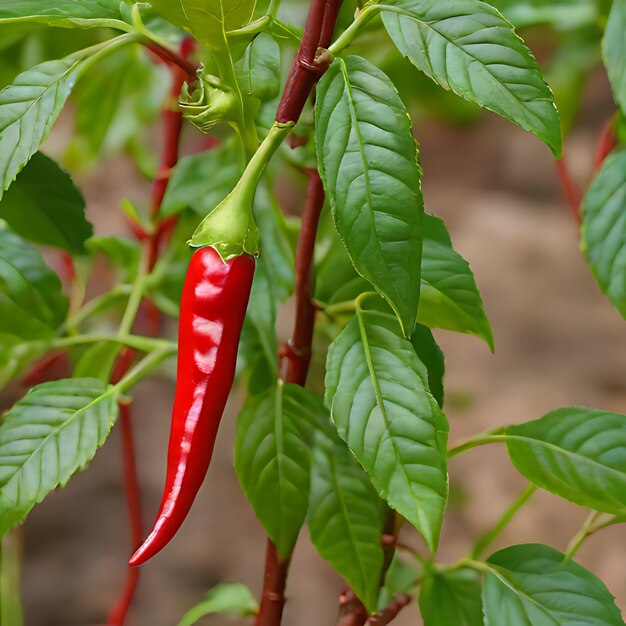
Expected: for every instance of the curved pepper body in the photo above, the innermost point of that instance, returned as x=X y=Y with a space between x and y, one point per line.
x=213 y=306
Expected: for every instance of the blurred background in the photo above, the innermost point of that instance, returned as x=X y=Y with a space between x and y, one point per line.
x=559 y=342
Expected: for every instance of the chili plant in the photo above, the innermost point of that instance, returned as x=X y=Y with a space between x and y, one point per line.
x=370 y=273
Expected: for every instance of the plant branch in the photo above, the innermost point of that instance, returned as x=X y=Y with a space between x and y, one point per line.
x=491 y=436
x=582 y=535
x=486 y=539
x=171 y=57
x=608 y=141
x=388 y=614
x=308 y=66
x=351 y=610
x=321 y=20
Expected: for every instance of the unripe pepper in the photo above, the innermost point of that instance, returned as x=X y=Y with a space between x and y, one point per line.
x=212 y=310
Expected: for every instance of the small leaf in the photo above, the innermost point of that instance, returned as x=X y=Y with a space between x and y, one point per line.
x=576 y=453
x=346 y=517
x=44 y=206
x=430 y=354
x=16 y=354
x=28 y=110
x=614 y=51
x=604 y=229
x=31 y=302
x=120 y=252
x=534 y=584
x=377 y=390
x=50 y=434
x=451 y=599
x=97 y=361
x=468 y=47
x=368 y=162
x=449 y=297
x=62 y=13
x=258 y=71
x=272 y=459
x=201 y=181
x=232 y=598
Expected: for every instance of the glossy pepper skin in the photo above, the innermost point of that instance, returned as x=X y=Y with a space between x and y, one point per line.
x=212 y=310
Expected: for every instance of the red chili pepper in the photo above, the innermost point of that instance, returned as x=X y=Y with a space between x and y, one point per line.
x=213 y=306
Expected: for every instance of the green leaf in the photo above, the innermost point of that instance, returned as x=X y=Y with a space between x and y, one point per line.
x=232 y=598
x=562 y=14
x=534 y=584
x=346 y=517
x=449 y=297
x=451 y=599
x=201 y=181
x=368 y=162
x=50 y=434
x=28 y=109
x=614 y=51
x=603 y=234
x=377 y=390
x=207 y=20
x=63 y=13
x=259 y=346
x=136 y=89
x=97 y=361
x=402 y=577
x=468 y=47
x=44 y=206
x=258 y=71
x=272 y=459
x=120 y=252
x=16 y=354
x=576 y=453
x=31 y=302
x=430 y=354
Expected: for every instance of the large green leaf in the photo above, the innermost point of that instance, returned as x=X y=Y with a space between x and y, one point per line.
x=377 y=390
x=231 y=598
x=614 y=49
x=51 y=433
x=451 y=599
x=28 y=110
x=576 y=453
x=63 y=13
x=201 y=181
x=44 y=205
x=273 y=458
x=468 y=47
x=604 y=229
x=30 y=106
x=258 y=70
x=430 y=354
x=368 y=162
x=346 y=517
x=533 y=584
x=449 y=297
x=207 y=20
x=31 y=302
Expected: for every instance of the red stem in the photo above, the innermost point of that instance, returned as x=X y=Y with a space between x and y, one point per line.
x=388 y=614
x=569 y=188
x=297 y=356
x=303 y=75
x=307 y=67
x=298 y=349
x=181 y=70
x=173 y=59
x=351 y=610
x=608 y=141
x=119 y=611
